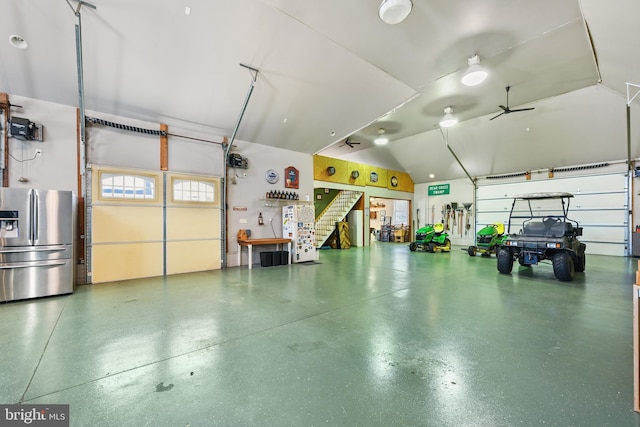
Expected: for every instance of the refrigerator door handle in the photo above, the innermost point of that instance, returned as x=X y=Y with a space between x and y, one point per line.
x=33 y=249
x=12 y=265
x=34 y=218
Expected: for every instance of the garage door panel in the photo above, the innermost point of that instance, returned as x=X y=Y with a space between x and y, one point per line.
x=193 y=223
x=184 y=257
x=126 y=261
x=597 y=200
x=599 y=204
x=126 y=223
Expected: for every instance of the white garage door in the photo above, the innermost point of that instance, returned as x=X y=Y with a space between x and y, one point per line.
x=600 y=205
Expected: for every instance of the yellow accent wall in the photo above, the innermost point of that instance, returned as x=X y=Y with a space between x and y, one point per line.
x=344 y=168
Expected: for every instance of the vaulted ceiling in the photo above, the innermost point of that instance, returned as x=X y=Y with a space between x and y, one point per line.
x=332 y=69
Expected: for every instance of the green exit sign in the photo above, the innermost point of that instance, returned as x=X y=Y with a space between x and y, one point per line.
x=438 y=190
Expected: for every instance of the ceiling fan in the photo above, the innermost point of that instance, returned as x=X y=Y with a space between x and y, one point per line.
x=350 y=143
x=507 y=110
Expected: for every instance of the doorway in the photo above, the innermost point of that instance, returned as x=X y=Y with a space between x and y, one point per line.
x=389 y=220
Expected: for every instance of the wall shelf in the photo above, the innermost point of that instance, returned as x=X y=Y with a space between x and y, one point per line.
x=283 y=202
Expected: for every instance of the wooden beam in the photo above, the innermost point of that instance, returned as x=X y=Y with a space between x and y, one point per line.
x=164 y=148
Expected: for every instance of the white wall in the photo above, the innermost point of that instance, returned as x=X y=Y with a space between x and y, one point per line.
x=246 y=198
x=57 y=168
x=428 y=209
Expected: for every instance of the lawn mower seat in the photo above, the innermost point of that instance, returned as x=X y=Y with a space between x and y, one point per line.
x=499 y=228
x=438 y=227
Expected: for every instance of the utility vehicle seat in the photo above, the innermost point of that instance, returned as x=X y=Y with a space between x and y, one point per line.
x=560 y=229
x=534 y=229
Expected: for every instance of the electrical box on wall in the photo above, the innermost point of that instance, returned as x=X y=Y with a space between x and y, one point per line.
x=237 y=161
x=25 y=130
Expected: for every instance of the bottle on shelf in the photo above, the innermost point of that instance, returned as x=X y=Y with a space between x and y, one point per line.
x=260 y=219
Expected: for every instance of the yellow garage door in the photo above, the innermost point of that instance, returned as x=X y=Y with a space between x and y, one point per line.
x=146 y=223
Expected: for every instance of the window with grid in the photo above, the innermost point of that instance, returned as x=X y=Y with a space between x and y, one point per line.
x=190 y=190
x=122 y=186
x=400 y=212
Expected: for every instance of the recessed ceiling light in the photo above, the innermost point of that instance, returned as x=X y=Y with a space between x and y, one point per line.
x=431 y=176
x=18 y=41
x=285 y=120
x=187 y=10
x=394 y=11
x=332 y=133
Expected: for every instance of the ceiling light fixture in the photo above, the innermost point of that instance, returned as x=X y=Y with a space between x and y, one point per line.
x=448 y=120
x=381 y=139
x=475 y=74
x=394 y=11
x=18 y=42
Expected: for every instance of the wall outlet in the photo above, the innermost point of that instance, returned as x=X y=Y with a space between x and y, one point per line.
x=38 y=152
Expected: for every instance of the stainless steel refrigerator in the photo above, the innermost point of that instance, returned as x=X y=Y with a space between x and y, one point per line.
x=36 y=243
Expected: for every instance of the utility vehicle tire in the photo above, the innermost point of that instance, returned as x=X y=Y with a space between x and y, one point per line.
x=505 y=261
x=563 y=266
x=413 y=246
x=472 y=251
x=447 y=245
x=581 y=263
x=432 y=247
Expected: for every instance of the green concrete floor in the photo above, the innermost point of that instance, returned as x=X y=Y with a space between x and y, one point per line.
x=374 y=336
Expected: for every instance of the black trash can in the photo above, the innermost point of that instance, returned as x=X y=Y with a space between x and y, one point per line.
x=266 y=259
x=284 y=257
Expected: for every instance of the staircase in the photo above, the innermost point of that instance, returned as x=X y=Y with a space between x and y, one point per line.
x=336 y=211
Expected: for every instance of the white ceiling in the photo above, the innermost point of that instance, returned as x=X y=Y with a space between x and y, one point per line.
x=333 y=66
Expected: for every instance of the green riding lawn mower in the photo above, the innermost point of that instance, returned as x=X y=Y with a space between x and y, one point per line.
x=431 y=238
x=488 y=240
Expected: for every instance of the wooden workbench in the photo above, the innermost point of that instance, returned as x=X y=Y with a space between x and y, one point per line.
x=249 y=243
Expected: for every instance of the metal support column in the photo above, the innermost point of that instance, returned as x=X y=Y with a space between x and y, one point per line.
x=82 y=152
x=227 y=149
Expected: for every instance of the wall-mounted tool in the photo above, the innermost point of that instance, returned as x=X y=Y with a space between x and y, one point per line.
x=237 y=161
x=25 y=130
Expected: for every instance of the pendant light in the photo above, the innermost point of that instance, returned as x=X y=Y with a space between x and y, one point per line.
x=448 y=120
x=394 y=11
x=381 y=139
x=475 y=74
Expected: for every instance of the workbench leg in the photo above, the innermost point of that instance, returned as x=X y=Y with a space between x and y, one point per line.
x=290 y=254
x=250 y=256
x=239 y=255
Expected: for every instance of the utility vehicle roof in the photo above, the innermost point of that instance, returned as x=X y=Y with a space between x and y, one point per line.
x=548 y=195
